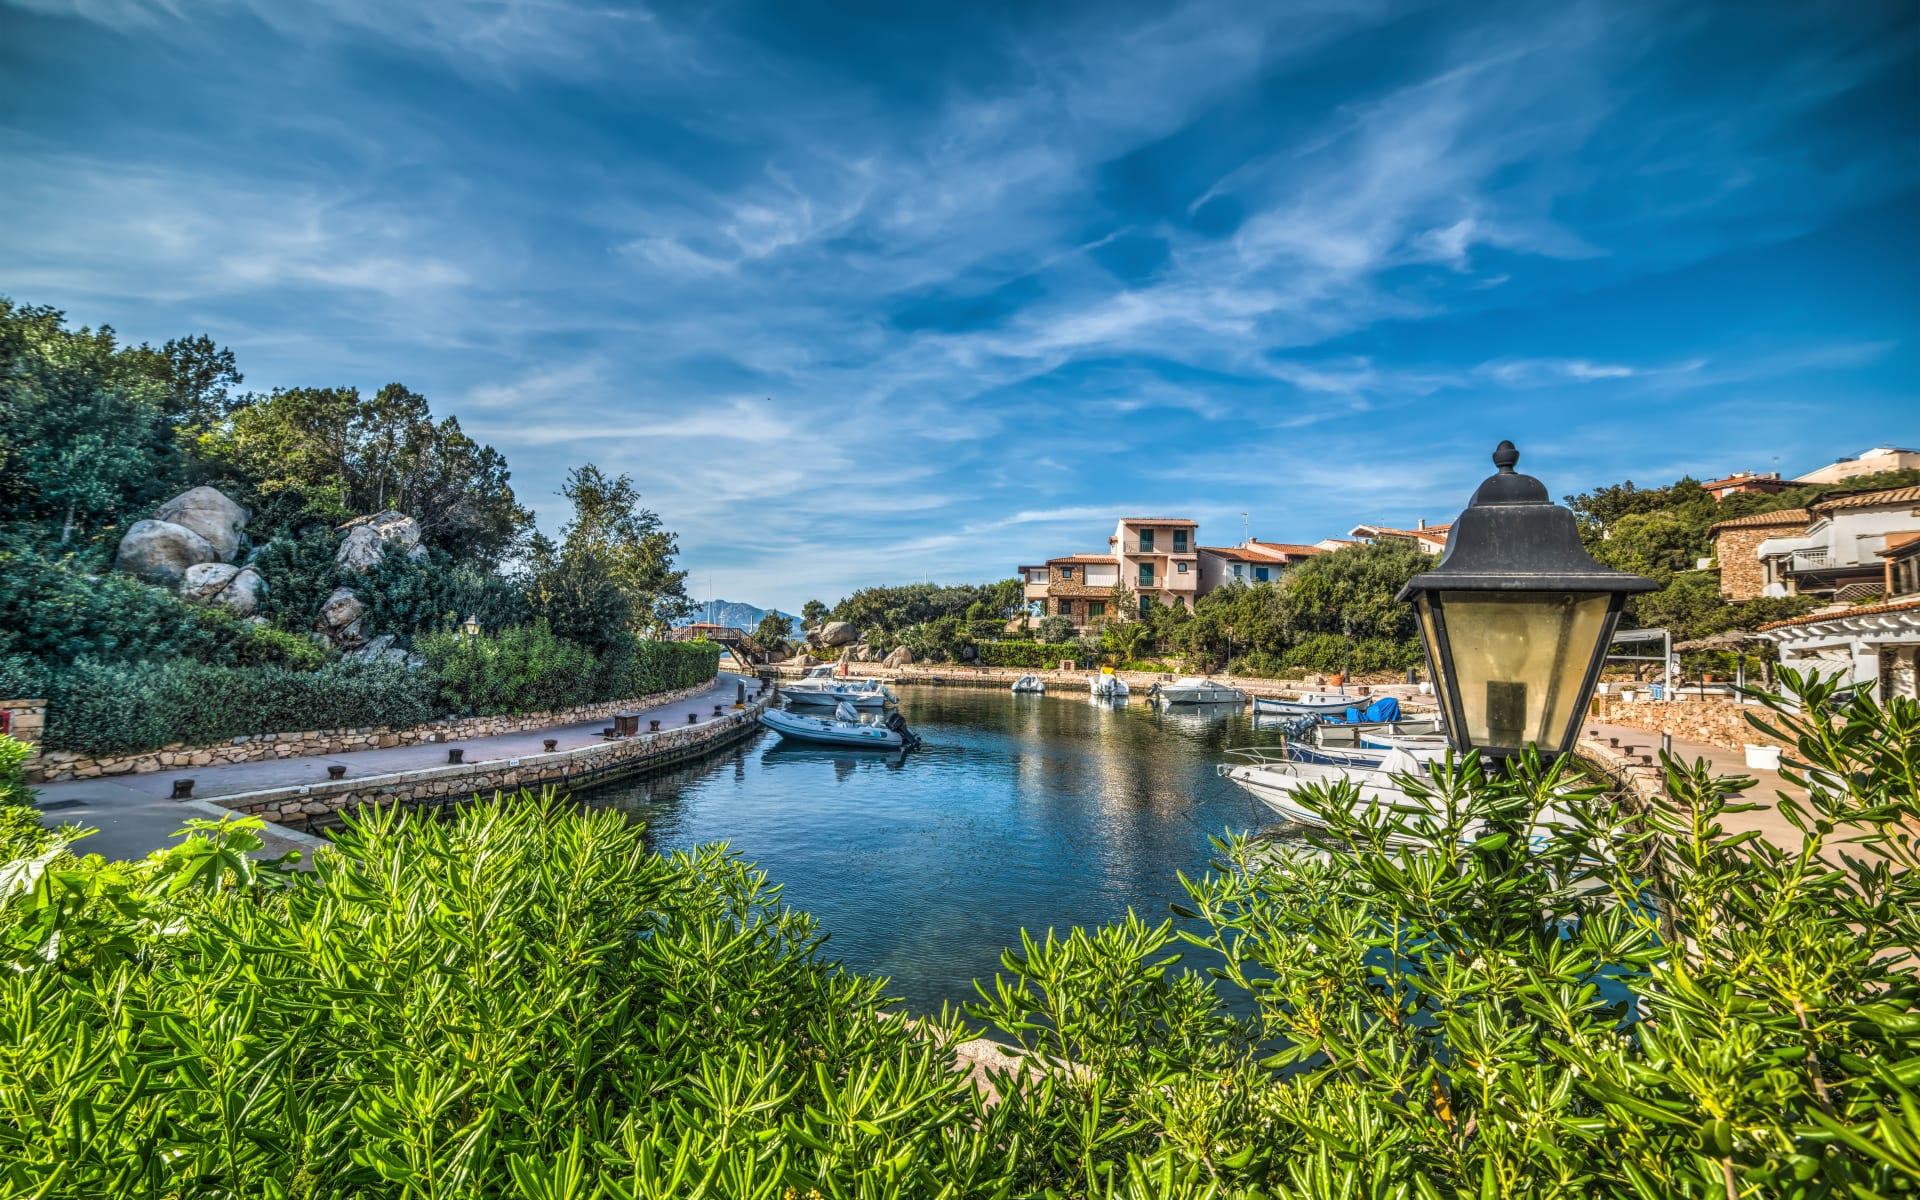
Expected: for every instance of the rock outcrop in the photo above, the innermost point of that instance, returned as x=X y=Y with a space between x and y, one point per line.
x=369 y=539
x=161 y=552
x=901 y=657
x=209 y=513
x=340 y=618
x=838 y=633
x=237 y=589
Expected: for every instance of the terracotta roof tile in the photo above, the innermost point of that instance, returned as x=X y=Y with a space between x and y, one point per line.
x=1865 y=610
x=1899 y=495
x=1082 y=558
x=1784 y=516
x=1900 y=543
x=1289 y=548
x=1157 y=521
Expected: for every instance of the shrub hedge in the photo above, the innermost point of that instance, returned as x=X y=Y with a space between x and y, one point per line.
x=122 y=708
x=520 y=670
x=1032 y=655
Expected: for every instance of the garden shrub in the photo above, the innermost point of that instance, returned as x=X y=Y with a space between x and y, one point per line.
x=121 y=708
x=520 y=670
x=521 y=1001
x=1032 y=655
x=56 y=610
x=1330 y=652
x=13 y=772
x=635 y=666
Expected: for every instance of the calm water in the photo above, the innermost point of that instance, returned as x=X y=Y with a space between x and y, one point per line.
x=1020 y=811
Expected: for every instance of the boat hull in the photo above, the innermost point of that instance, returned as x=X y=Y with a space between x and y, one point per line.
x=1318 y=706
x=818 y=731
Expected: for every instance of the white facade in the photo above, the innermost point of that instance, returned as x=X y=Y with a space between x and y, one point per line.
x=1844 y=538
x=1867 y=648
x=1872 y=462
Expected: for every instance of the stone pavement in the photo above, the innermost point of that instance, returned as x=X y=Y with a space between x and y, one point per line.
x=1766 y=819
x=135 y=815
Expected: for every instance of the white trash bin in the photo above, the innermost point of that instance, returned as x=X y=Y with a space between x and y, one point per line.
x=1763 y=758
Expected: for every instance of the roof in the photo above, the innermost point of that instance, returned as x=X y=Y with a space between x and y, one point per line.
x=1081 y=558
x=1288 y=547
x=1865 y=610
x=1430 y=533
x=1902 y=544
x=1157 y=521
x=1899 y=495
x=1783 y=516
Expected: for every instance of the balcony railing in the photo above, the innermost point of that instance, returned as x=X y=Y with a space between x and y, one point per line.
x=1811 y=560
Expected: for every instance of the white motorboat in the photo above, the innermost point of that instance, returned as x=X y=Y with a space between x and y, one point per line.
x=1194 y=690
x=1313 y=703
x=1031 y=685
x=1277 y=781
x=1274 y=782
x=821 y=686
x=1421 y=745
x=844 y=728
x=1107 y=686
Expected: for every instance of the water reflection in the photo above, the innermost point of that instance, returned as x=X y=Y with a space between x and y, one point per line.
x=1029 y=811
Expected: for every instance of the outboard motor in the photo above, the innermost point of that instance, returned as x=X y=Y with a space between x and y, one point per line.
x=844 y=711
x=908 y=738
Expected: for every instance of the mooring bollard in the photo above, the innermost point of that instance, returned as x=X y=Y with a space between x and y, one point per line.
x=693 y=718
x=183 y=789
x=740 y=694
x=550 y=744
x=653 y=727
x=336 y=772
x=1614 y=742
x=456 y=755
x=718 y=709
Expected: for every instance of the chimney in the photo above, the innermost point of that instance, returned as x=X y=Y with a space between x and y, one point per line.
x=1422 y=524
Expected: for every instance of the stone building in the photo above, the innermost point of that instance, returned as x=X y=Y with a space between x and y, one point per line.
x=1735 y=545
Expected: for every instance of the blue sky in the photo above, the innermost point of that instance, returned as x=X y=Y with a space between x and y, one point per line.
x=866 y=293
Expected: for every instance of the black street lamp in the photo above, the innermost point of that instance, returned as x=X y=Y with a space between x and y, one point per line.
x=1516 y=618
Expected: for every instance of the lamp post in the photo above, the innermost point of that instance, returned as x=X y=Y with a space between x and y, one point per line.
x=1516 y=619
x=471 y=626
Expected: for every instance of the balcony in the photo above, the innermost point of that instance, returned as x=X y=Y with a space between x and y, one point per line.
x=1817 y=559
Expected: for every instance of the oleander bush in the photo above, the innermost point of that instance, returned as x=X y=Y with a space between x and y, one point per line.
x=520 y=670
x=635 y=666
x=14 y=791
x=122 y=708
x=1522 y=987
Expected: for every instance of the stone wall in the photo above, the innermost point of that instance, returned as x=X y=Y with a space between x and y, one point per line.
x=320 y=803
x=1070 y=682
x=53 y=766
x=1741 y=576
x=1716 y=722
x=26 y=721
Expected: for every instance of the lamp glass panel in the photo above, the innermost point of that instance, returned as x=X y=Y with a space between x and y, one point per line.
x=1519 y=661
x=1436 y=664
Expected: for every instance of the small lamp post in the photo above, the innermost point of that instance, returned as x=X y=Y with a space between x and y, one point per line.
x=472 y=626
x=1516 y=618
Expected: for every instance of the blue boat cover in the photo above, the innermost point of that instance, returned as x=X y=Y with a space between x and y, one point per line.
x=1386 y=708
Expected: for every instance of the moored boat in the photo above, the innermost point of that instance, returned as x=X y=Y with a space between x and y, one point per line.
x=844 y=728
x=1107 y=686
x=1196 y=690
x=1313 y=703
x=1030 y=685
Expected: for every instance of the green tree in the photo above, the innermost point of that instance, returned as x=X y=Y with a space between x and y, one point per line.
x=813 y=614
x=198 y=375
x=771 y=633
x=629 y=543
x=577 y=595
x=1055 y=629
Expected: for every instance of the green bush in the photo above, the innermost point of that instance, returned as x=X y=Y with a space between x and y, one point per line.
x=1032 y=655
x=55 y=610
x=13 y=772
x=634 y=667
x=1330 y=652
x=122 y=708
x=523 y=1002
x=520 y=670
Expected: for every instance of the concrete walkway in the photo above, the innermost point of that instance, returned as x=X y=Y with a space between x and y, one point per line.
x=1767 y=819
x=136 y=816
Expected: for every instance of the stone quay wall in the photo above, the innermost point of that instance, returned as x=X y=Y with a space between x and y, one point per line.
x=1067 y=682
x=321 y=803
x=53 y=766
x=1716 y=722
x=25 y=721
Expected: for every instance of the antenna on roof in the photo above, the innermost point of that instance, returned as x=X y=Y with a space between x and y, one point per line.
x=1245 y=528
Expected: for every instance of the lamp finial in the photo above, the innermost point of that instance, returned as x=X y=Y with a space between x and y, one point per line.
x=1505 y=456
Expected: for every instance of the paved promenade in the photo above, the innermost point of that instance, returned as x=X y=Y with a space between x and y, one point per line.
x=1767 y=819
x=135 y=816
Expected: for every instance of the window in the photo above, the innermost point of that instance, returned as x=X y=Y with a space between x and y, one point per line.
x=1146 y=574
x=1261 y=573
x=1066 y=608
x=1066 y=573
x=1180 y=567
x=1179 y=541
x=1146 y=541
x=1239 y=570
x=1146 y=605
x=1096 y=608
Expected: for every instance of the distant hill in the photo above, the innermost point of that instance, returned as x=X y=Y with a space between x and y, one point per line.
x=740 y=616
